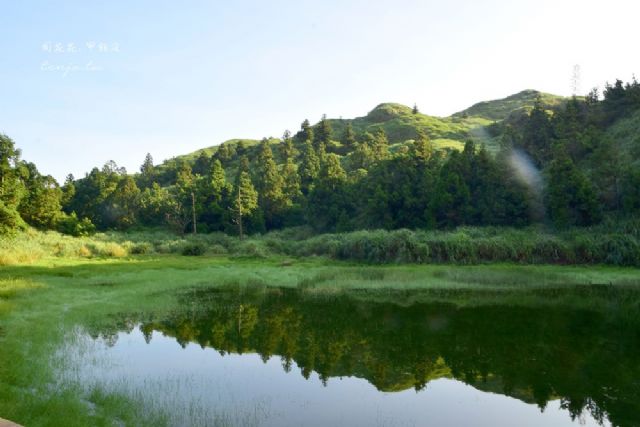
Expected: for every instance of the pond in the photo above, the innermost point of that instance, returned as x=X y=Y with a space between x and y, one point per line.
x=280 y=357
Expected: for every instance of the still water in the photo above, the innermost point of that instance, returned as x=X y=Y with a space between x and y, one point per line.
x=280 y=357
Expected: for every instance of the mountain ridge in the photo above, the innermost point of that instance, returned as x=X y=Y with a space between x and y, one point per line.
x=401 y=123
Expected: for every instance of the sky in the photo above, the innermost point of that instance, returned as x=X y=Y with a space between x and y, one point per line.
x=84 y=82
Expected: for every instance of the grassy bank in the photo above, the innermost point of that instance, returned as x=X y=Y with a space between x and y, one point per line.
x=615 y=244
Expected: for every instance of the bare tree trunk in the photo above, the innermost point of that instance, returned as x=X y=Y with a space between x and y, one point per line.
x=193 y=212
x=240 y=214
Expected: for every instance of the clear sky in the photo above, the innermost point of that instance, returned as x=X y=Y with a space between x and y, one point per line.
x=83 y=82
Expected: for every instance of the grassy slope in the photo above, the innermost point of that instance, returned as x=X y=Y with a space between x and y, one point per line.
x=400 y=124
x=500 y=109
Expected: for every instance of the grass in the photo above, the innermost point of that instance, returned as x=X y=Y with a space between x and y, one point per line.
x=608 y=244
x=51 y=284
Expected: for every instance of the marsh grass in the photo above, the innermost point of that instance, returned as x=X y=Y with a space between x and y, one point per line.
x=611 y=243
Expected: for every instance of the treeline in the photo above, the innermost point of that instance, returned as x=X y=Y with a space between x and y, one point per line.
x=554 y=166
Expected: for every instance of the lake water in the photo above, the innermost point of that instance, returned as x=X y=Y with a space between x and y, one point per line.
x=288 y=357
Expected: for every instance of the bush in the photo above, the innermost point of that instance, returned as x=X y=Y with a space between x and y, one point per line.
x=141 y=248
x=113 y=250
x=10 y=220
x=194 y=249
x=71 y=225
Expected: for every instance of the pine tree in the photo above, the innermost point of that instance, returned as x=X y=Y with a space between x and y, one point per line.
x=217 y=181
x=147 y=172
x=306 y=132
x=291 y=184
x=323 y=134
x=287 y=148
x=245 y=200
x=536 y=138
x=272 y=198
x=570 y=197
x=349 y=137
x=422 y=148
x=202 y=164
x=68 y=192
x=380 y=145
x=309 y=167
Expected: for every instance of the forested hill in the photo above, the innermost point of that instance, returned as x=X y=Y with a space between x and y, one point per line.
x=528 y=158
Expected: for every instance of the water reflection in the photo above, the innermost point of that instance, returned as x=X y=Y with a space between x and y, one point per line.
x=588 y=358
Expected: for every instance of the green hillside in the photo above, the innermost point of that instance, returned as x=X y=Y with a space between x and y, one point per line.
x=500 y=109
x=400 y=124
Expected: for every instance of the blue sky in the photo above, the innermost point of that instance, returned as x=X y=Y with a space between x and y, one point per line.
x=167 y=78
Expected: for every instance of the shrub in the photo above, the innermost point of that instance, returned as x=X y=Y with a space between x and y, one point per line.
x=71 y=225
x=10 y=220
x=194 y=249
x=141 y=248
x=112 y=249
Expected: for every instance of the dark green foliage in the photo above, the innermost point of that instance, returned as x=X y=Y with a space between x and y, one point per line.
x=194 y=249
x=323 y=133
x=147 y=174
x=71 y=225
x=571 y=199
x=349 y=137
x=10 y=220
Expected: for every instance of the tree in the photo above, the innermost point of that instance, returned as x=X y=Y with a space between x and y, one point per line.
x=327 y=199
x=288 y=150
x=323 y=134
x=361 y=157
x=272 y=198
x=291 y=182
x=68 y=192
x=124 y=203
x=380 y=146
x=415 y=110
x=570 y=197
x=245 y=200
x=306 y=132
x=537 y=134
x=309 y=167
x=147 y=172
x=11 y=185
x=202 y=164
x=41 y=205
x=185 y=194
x=349 y=137
x=422 y=148
x=451 y=204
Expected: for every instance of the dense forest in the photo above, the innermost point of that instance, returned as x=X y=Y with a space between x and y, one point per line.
x=556 y=161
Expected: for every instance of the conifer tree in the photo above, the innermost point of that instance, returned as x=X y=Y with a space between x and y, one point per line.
x=380 y=145
x=272 y=198
x=323 y=134
x=245 y=200
x=349 y=137
x=309 y=167
x=422 y=148
x=306 y=132
x=147 y=172
x=570 y=197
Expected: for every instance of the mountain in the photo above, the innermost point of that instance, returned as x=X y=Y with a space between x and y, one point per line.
x=500 y=109
x=400 y=124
